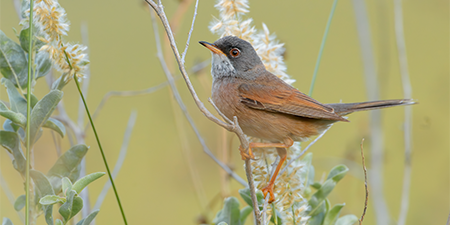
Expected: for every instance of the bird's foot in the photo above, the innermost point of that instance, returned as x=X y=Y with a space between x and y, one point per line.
x=269 y=189
x=245 y=155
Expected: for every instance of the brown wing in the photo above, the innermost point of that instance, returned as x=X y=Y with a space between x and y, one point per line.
x=281 y=97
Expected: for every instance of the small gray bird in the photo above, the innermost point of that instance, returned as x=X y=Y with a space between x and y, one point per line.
x=267 y=107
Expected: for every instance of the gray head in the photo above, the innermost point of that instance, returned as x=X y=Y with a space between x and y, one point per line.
x=232 y=56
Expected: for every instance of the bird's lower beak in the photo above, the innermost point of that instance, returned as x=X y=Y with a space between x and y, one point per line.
x=211 y=47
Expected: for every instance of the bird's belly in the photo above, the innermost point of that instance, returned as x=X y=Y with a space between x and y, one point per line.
x=269 y=126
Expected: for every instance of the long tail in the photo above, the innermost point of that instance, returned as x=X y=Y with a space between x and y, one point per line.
x=347 y=108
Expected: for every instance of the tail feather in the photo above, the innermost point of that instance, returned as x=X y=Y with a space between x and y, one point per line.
x=347 y=108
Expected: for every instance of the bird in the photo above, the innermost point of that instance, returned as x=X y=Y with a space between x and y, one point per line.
x=268 y=108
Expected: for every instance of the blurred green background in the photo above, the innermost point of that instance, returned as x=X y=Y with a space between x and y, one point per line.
x=155 y=184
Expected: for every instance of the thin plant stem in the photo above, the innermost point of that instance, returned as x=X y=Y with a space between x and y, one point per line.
x=322 y=45
x=407 y=93
x=98 y=141
x=365 y=183
x=101 y=151
x=380 y=206
x=28 y=159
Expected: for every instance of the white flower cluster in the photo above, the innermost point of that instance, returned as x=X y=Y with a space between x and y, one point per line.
x=289 y=186
x=51 y=23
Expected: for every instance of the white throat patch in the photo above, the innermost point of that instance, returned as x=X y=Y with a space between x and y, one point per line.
x=221 y=66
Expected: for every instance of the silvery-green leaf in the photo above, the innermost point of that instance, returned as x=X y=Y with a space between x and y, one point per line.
x=17 y=102
x=13 y=61
x=50 y=200
x=43 y=64
x=19 y=203
x=42 y=183
x=347 y=220
x=336 y=174
x=6 y=221
x=16 y=118
x=230 y=212
x=42 y=111
x=333 y=214
x=89 y=218
x=24 y=38
x=10 y=141
x=71 y=207
x=55 y=125
x=80 y=184
x=66 y=185
x=67 y=166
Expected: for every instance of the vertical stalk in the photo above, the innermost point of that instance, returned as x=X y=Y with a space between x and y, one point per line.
x=101 y=149
x=322 y=45
x=28 y=159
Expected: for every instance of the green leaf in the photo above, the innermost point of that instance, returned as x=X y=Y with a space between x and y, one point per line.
x=347 y=220
x=19 y=203
x=336 y=174
x=245 y=194
x=230 y=212
x=43 y=64
x=316 y=185
x=58 y=222
x=89 y=218
x=17 y=102
x=13 y=61
x=319 y=215
x=66 y=185
x=13 y=116
x=51 y=199
x=24 y=38
x=244 y=213
x=34 y=99
x=7 y=126
x=67 y=166
x=333 y=214
x=42 y=111
x=48 y=214
x=85 y=181
x=55 y=125
x=6 y=221
x=71 y=207
x=11 y=142
x=42 y=183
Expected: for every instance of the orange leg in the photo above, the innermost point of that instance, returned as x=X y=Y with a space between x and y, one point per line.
x=281 y=149
x=262 y=145
x=270 y=185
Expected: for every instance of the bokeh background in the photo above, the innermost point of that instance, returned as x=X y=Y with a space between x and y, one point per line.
x=155 y=184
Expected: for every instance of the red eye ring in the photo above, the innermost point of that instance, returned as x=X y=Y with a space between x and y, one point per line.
x=235 y=52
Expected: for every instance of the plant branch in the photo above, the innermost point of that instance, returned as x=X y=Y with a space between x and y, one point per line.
x=365 y=182
x=234 y=127
x=110 y=94
x=183 y=107
x=183 y=56
x=407 y=93
x=376 y=135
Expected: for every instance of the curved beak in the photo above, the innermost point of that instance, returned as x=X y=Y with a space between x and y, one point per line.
x=212 y=47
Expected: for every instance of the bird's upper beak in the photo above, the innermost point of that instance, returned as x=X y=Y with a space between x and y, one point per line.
x=212 y=47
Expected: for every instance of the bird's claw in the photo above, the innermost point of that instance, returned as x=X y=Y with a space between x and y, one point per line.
x=269 y=189
x=245 y=155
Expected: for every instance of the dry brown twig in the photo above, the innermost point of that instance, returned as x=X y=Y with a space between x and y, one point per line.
x=365 y=182
x=231 y=126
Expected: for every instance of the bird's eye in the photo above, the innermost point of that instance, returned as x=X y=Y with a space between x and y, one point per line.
x=235 y=52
